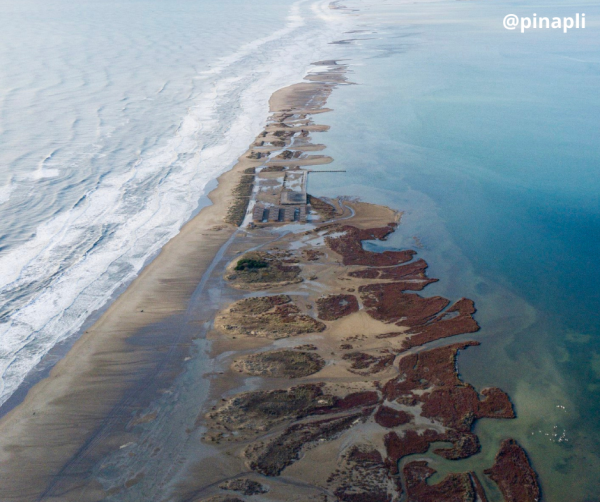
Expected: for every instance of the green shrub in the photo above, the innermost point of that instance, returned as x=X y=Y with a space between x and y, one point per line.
x=250 y=264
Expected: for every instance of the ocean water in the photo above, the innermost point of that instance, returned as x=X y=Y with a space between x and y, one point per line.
x=488 y=140
x=114 y=116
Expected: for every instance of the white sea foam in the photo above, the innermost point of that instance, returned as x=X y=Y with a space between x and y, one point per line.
x=79 y=257
x=5 y=192
x=42 y=173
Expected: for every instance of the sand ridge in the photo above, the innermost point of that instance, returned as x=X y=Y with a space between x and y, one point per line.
x=333 y=370
x=348 y=431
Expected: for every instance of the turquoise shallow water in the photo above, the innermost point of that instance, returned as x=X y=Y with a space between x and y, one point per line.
x=488 y=140
x=114 y=116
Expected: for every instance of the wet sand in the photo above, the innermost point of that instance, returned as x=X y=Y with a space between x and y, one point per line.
x=62 y=411
x=278 y=361
x=344 y=409
x=77 y=406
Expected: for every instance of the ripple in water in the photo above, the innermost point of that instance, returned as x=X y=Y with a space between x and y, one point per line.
x=112 y=138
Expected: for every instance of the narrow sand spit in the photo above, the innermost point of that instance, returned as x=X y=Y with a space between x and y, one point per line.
x=69 y=412
x=266 y=355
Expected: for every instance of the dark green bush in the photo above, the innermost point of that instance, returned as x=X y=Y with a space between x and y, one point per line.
x=250 y=264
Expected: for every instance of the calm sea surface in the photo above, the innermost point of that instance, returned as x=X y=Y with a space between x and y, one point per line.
x=115 y=115
x=488 y=140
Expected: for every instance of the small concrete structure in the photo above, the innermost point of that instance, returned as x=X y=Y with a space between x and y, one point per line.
x=281 y=196
x=259 y=213
x=278 y=214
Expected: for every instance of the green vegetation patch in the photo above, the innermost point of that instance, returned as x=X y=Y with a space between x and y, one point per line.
x=263 y=268
x=250 y=264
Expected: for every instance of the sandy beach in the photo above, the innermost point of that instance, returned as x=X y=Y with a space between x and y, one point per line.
x=303 y=251
x=247 y=360
x=63 y=414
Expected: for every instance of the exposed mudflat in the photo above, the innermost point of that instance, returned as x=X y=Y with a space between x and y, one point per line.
x=282 y=361
x=373 y=391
